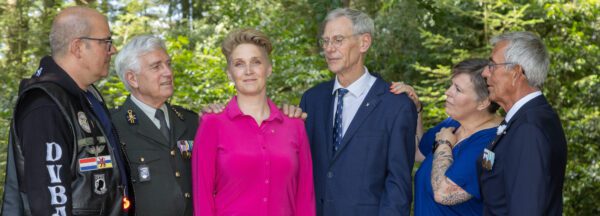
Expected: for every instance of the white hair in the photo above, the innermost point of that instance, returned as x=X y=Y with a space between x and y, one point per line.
x=361 y=22
x=527 y=50
x=128 y=57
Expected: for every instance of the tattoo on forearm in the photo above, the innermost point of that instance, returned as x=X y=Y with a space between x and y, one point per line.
x=452 y=194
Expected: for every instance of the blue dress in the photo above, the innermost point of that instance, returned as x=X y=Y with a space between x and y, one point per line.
x=462 y=172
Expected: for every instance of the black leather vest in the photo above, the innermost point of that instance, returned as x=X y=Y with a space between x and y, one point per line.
x=93 y=192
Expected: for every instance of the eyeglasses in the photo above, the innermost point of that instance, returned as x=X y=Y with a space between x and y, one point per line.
x=336 y=41
x=492 y=66
x=108 y=41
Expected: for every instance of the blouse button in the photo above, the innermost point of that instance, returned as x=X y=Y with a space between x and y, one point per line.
x=267 y=181
x=265 y=199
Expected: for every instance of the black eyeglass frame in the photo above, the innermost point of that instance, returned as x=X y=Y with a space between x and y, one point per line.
x=107 y=40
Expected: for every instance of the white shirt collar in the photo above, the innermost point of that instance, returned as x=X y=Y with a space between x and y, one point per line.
x=151 y=111
x=358 y=87
x=513 y=110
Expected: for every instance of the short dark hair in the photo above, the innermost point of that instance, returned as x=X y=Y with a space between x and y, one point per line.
x=473 y=68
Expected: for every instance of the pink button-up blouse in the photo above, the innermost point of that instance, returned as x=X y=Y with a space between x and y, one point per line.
x=242 y=168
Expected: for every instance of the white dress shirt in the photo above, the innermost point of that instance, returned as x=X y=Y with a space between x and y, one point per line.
x=520 y=104
x=357 y=91
x=151 y=112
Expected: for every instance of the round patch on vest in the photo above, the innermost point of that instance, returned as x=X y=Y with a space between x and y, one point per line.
x=83 y=121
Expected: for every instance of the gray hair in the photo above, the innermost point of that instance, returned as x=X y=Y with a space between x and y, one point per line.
x=71 y=23
x=128 y=57
x=361 y=22
x=528 y=50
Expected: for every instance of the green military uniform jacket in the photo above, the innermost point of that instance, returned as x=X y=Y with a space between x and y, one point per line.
x=160 y=170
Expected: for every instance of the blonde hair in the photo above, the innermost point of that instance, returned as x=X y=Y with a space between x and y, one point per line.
x=245 y=36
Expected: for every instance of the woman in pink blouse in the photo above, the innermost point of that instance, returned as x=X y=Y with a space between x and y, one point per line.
x=251 y=159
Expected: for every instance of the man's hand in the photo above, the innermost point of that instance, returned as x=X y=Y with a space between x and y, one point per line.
x=293 y=111
x=211 y=108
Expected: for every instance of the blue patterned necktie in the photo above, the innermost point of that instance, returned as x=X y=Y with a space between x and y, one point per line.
x=337 y=126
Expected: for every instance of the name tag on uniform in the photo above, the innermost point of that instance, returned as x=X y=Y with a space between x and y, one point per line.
x=144 y=173
x=487 y=161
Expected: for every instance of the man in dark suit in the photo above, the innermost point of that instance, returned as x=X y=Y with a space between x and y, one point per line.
x=158 y=136
x=523 y=170
x=361 y=135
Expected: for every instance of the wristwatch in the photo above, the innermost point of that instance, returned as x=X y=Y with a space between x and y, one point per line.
x=440 y=142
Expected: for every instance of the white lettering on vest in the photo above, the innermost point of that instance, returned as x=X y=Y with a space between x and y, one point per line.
x=57 y=192
x=54 y=173
x=60 y=211
x=50 y=148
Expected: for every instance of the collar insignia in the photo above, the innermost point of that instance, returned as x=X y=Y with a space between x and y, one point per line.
x=179 y=115
x=131 y=118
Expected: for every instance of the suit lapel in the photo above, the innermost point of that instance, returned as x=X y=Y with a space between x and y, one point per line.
x=537 y=101
x=178 y=127
x=366 y=108
x=145 y=127
x=329 y=120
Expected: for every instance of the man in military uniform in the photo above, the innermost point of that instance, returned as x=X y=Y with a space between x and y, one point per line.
x=159 y=136
x=65 y=156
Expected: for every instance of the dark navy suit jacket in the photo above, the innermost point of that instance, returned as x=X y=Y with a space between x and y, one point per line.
x=529 y=166
x=371 y=172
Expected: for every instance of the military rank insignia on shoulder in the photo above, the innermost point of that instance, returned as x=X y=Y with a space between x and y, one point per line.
x=179 y=115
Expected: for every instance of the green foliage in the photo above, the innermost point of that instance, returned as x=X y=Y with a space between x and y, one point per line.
x=416 y=41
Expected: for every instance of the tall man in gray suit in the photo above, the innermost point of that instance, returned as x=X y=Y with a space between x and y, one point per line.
x=159 y=137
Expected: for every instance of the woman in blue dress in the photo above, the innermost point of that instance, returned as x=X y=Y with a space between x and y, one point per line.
x=446 y=182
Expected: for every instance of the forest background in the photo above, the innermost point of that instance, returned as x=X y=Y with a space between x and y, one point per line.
x=417 y=42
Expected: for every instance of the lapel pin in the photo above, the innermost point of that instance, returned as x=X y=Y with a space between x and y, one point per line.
x=131 y=118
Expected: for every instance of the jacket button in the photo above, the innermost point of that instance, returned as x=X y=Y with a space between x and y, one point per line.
x=329 y=174
x=172 y=152
x=187 y=195
x=142 y=159
x=177 y=174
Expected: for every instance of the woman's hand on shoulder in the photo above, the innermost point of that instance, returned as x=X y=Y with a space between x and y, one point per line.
x=401 y=87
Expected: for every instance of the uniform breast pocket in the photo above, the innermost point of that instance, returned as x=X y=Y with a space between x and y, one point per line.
x=144 y=164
